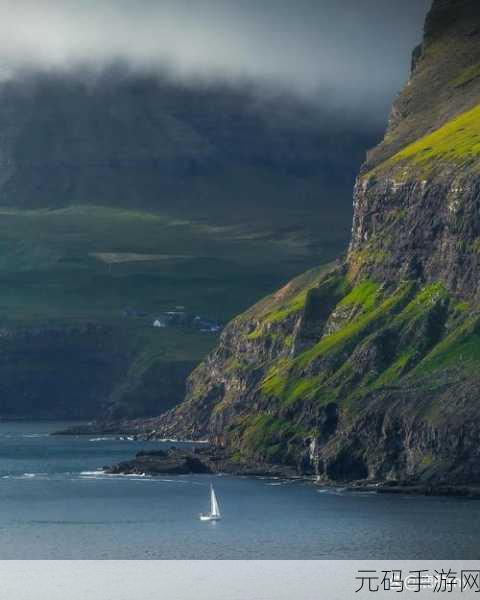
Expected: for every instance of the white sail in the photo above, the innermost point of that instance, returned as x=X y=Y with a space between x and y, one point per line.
x=214 y=514
x=215 y=510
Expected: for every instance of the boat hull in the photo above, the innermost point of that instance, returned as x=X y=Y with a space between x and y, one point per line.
x=209 y=518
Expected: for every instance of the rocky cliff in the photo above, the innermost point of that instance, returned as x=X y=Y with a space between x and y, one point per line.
x=369 y=368
x=85 y=369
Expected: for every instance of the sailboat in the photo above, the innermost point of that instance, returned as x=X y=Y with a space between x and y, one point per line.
x=214 y=514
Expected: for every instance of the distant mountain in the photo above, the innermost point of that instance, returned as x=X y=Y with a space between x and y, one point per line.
x=369 y=369
x=123 y=193
x=126 y=139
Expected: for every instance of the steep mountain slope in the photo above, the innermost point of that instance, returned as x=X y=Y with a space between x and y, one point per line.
x=370 y=368
x=124 y=192
x=120 y=138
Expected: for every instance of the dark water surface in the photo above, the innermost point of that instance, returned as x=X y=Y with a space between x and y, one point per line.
x=56 y=504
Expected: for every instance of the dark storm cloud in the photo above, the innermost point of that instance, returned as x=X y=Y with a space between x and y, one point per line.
x=347 y=52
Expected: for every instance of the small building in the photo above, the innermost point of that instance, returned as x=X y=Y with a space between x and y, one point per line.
x=161 y=322
x=178 y=318
x=208 y=326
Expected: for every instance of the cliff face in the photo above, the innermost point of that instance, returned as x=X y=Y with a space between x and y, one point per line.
x=369 y=368
x=31 y=385
x=82 y=370
x=416 y=200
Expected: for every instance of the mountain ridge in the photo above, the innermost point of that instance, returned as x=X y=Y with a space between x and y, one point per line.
x=124 y=138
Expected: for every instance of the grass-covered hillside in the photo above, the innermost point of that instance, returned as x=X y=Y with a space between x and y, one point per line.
x=86 y=262
x=456 y=142
x=347 y=378
x=82 y=285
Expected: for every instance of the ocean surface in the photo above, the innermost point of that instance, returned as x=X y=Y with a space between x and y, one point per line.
x=56 y=503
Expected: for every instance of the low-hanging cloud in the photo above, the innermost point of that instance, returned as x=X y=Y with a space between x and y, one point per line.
x=348 y=52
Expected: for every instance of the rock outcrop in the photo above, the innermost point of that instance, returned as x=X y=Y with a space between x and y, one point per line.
x=199 y=460
x=369 y=368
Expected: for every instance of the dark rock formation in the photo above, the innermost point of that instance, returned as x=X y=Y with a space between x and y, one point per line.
x=169 y=462
x=82 y=371
x=55 y=372
x=206 y=460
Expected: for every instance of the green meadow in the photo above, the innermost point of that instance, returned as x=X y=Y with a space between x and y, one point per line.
x=87 y=264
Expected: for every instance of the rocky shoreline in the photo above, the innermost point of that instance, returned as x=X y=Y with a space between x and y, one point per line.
x=205 y=458
x=211 y=460
x=198 y=460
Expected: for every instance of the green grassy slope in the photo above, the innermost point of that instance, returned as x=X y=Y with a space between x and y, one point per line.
x=80 y=265
x=91 y=262
x=410 y=353
x=457 y=142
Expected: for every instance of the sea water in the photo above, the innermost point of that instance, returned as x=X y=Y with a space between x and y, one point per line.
x=56 y=503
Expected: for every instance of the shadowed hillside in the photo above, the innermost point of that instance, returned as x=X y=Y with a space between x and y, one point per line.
x=126 y=193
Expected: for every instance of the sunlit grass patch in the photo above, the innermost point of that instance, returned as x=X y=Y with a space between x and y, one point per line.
x=456 y=142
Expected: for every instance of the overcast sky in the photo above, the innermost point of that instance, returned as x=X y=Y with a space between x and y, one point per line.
x=351 y=52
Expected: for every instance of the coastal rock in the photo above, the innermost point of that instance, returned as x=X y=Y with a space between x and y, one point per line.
x=170 y=462
x=210 y=460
